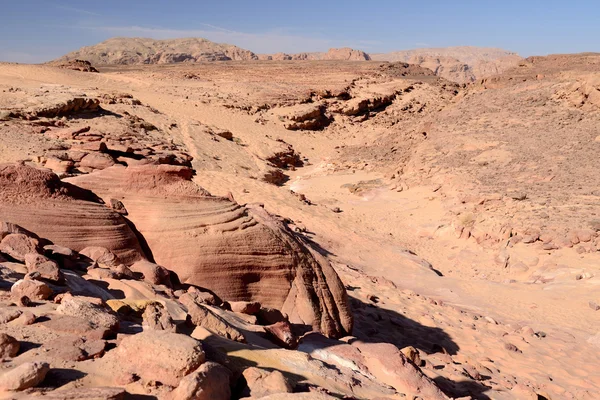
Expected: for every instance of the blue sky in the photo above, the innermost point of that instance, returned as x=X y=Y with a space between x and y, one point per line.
x=40 y=30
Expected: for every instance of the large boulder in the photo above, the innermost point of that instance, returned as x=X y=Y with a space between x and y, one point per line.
x=241 y=253
x=261 y=383
x=209 y=382
x=159 y=356
x=24 y=376
x=47 y=268
x=98 y=315
x=383 y=362
x=39 y=201
x=34 y=290
x=18 y=245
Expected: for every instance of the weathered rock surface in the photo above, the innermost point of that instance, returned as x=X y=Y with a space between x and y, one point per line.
x=66 y=324
x=159 y=356
x=87 y=393
x=149 y=51
x=209 y=382
x=201 y=315
x=344 y=53
x=459 y=64
x=9 y=346
x=156 y=317
x=261 y=383
x=34 y=290
x=74 y=348
x=77 y=65
x=245 y=307
x=24 y=376
x=94 y=313
x=281 y=333
x=195 y=235
x=18 y=245
x=68 y=216
x=47 y=268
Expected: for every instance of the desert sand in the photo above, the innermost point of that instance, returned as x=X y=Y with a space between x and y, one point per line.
x=325 y=228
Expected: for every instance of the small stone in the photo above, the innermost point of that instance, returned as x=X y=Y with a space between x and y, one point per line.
x=118 y=206
x=47 y=268
x=245 y=307
x=518 y=196
x=594 y=306
x=7 y=315
x=26 y=318
x=512 y=347
x=32 y=289
x=9 y=346
x=157 y=317
x=549 y=246
x=23 y=301
x=282 y=334
x=527 y=331
x=412 y=355
x=336 y=210
x=585 y=235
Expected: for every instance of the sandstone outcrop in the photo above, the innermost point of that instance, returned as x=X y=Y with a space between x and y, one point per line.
x=76 y=65
x=38 y=201
x=239 y=252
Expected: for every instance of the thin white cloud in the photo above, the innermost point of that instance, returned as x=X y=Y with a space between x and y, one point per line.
x=266 y=42
x=76 y=10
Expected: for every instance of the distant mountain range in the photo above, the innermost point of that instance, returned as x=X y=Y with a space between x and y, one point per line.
x=459 y=64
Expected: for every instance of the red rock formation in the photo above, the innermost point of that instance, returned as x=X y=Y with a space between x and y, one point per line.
x=241 y=253
x=38 y=201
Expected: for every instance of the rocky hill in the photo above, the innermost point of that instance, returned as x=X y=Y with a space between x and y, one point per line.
x=341 y=54
x=124 y=51
x=460 y=64
x=131 y=51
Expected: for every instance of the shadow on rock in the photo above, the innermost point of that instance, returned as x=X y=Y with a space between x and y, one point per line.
x=462 y=388
x=375 y=325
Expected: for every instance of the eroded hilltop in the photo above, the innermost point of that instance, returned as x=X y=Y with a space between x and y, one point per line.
x=463 y=64
x=299 y=230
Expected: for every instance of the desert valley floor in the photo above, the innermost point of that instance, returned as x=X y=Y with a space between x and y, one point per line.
x=461 y=219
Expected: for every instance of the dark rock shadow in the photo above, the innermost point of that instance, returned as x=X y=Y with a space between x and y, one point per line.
x=374 y=324
x=97 y=113
x=141 y=240
x=58 y=377
x=308 y=242
x=464 y=388
x=25 y=346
